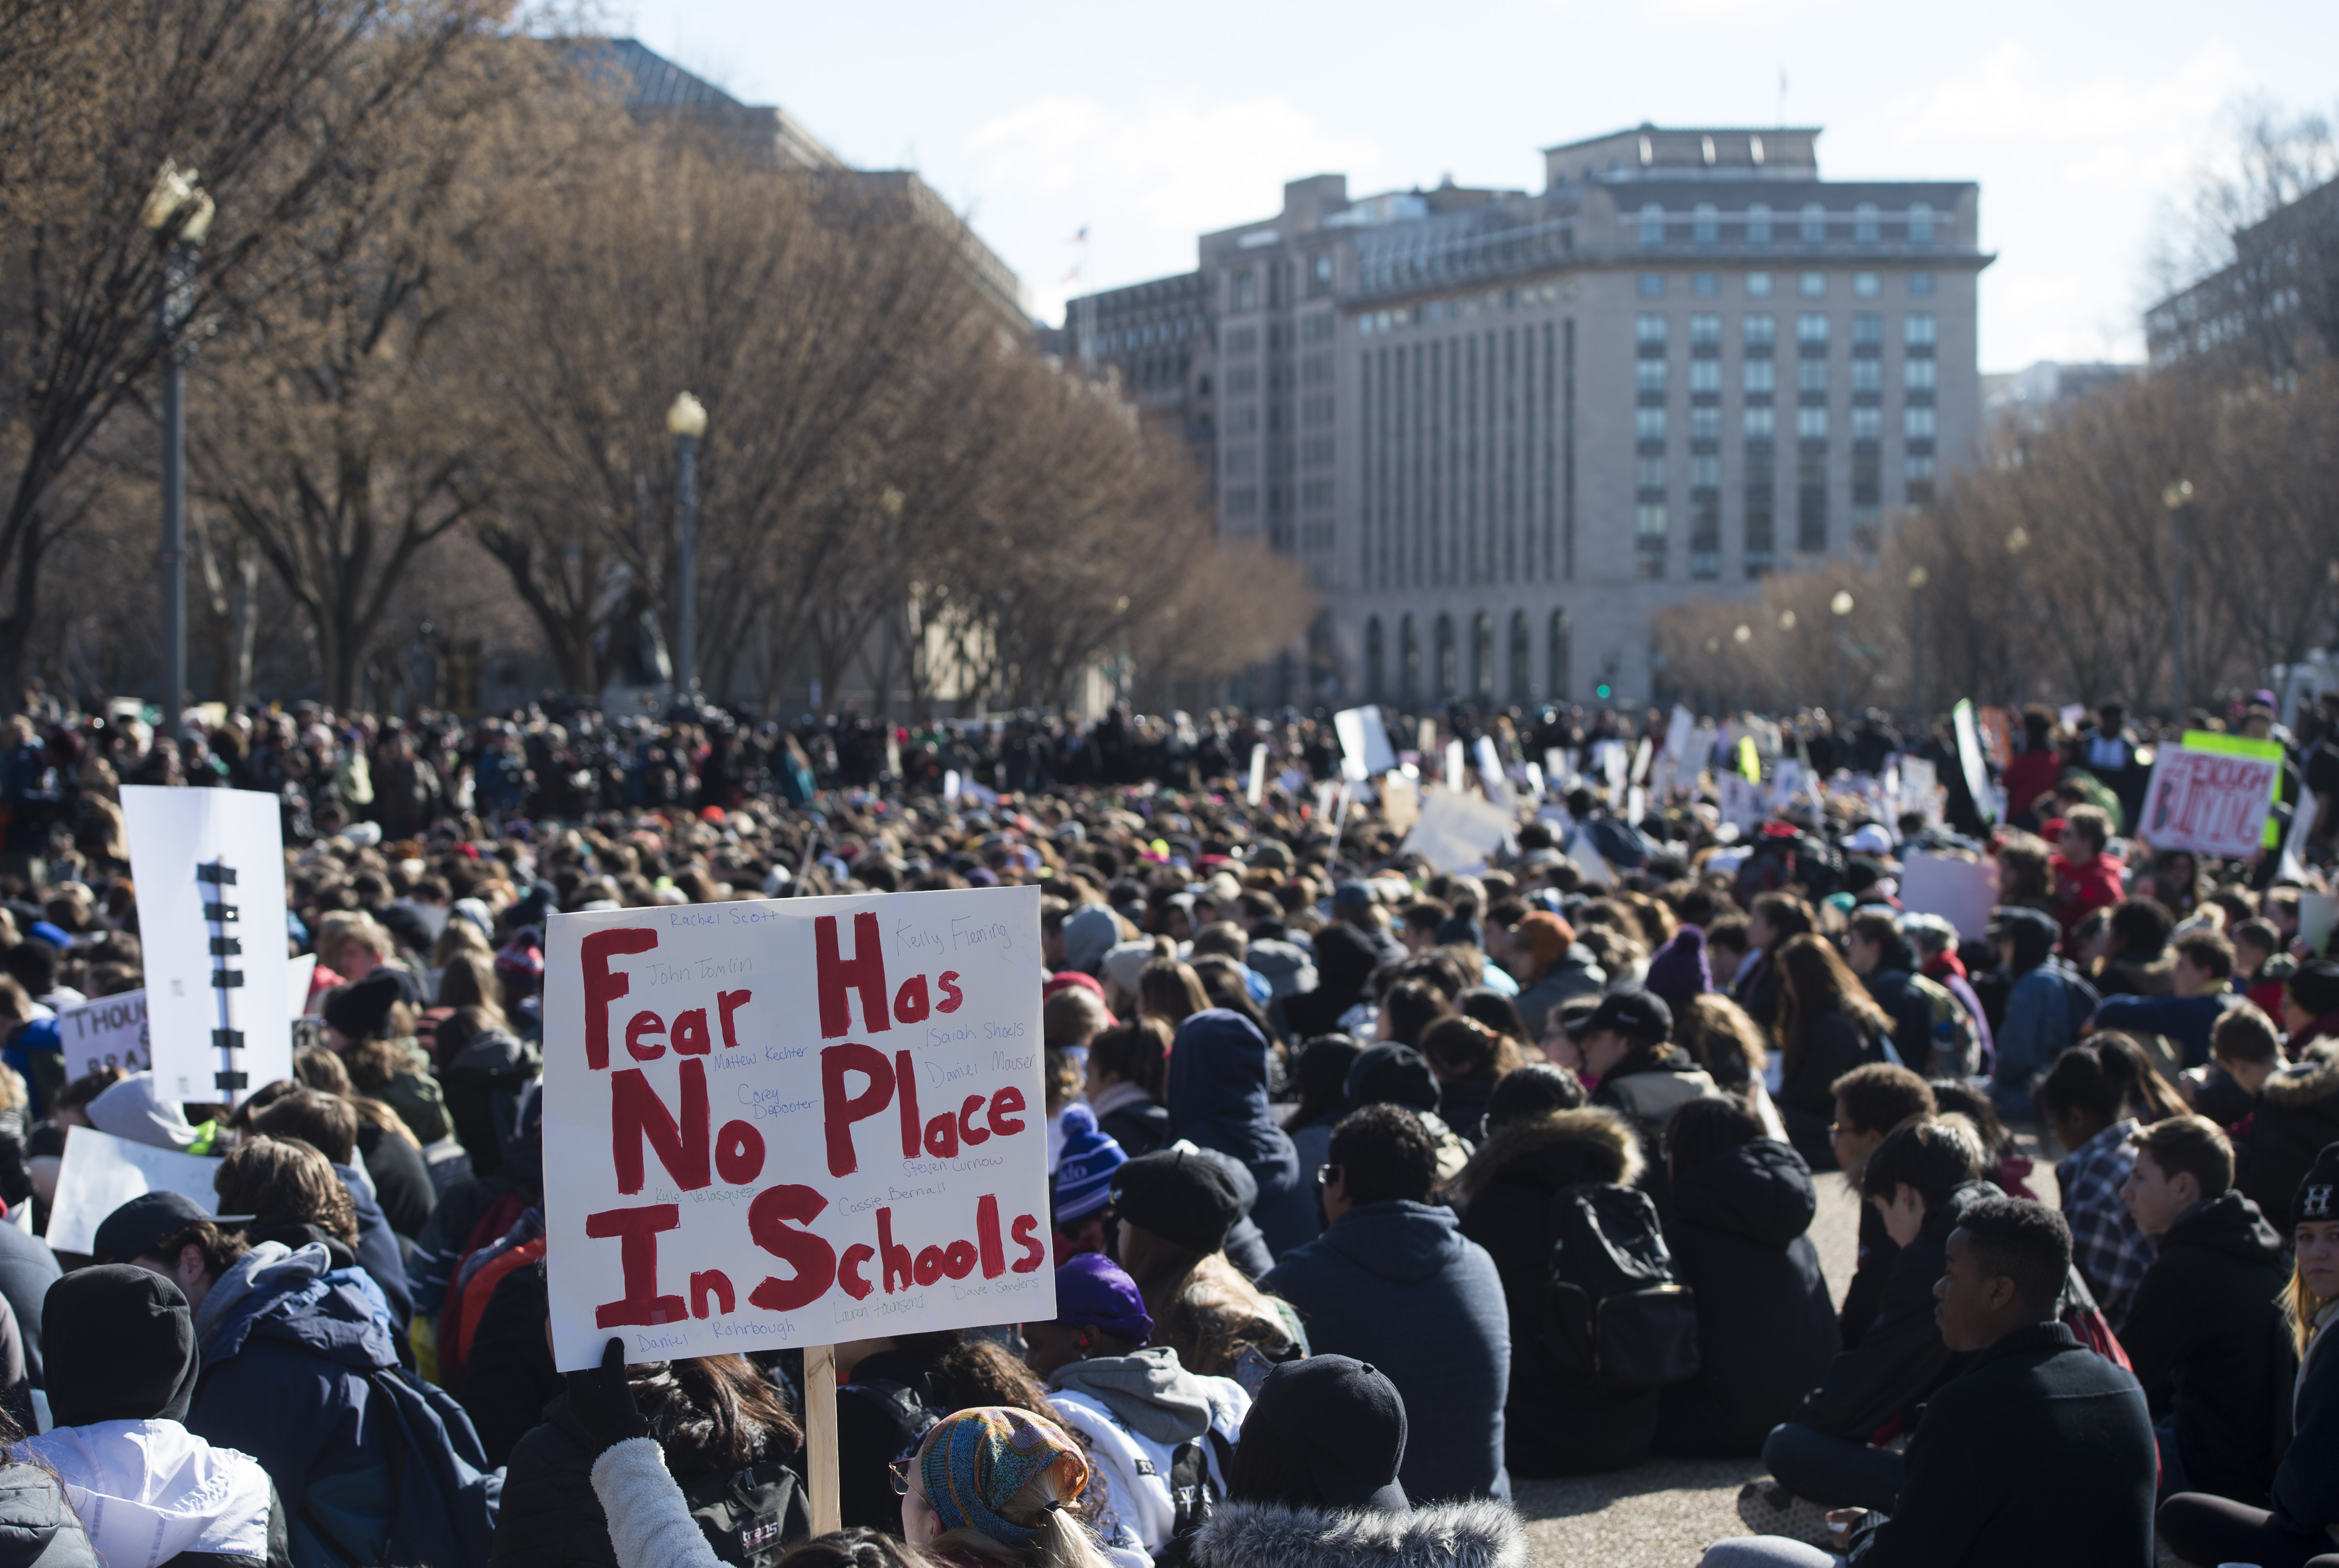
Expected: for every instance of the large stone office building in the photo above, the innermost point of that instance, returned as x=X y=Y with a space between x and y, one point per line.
x=1502 y=430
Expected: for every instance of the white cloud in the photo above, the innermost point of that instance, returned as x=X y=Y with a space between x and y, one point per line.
x=2075 y=159
x=1145 y=178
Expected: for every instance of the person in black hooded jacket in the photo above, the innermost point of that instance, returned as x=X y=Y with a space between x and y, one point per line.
x=1923 y=1176
x=1743 y=1205
x=1552 y=1423
x=2205 y=1331
x=1344 y=959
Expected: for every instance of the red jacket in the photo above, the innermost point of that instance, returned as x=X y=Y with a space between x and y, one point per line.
x=2081 y=890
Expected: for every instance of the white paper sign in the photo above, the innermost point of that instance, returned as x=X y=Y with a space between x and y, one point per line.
x=1364 y=748
x=101 y=1172
x=1742 y=802
x=1961 y=892
x=1976 y=772
x=300 y=974
x=1256 y=788
x=1456 y=830
x=794 y=1122
x=108 y=1032
x=1919 y=789
x=210 y=869
x=2210 y=803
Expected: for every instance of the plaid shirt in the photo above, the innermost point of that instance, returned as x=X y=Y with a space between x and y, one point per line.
x=2111 y=1252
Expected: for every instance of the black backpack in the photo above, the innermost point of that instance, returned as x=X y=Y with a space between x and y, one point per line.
x=750 y=1516
x=1618 y=1316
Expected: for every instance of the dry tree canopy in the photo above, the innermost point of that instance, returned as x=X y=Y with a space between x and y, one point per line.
x=450 y=290
x=2047 y=571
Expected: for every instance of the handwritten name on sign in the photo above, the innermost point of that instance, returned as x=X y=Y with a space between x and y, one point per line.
x=794 y=1122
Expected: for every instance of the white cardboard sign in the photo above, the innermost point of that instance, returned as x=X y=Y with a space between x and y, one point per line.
x=101 y=1172
x=210 y=868
x=108 y=1032
x=1961 y=892
x=793 y=1123
x=1456 y=830
x=1364 y=748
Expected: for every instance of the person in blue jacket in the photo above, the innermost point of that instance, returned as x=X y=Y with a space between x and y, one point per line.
x=2044 y=1007
x=1218 y=1099
x=1394 y=1282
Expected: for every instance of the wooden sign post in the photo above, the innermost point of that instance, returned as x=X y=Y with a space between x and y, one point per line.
x=820 y=1437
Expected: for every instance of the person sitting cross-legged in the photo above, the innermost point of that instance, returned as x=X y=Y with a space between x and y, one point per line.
x=2039 y=1452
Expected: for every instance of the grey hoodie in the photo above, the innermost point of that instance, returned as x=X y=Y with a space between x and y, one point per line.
x=1153 y=1395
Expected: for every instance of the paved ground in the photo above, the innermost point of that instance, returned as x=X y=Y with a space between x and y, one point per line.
x=1664 y=1513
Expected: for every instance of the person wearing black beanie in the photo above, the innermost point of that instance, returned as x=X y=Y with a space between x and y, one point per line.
x=1335 y=1435
x=2301 y=1529
x=122 y=1371
x=1178 y=1207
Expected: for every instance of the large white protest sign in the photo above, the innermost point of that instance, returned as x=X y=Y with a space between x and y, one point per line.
x=108 y=1032
x=1741 y=802
x=210 y=868
x=794 y=1122
x=101 y=1172
x=1960 y=891
x=1969 y=758
x=2211 y=802
x=1364 y=748
x=1456 y=830
x=1256 y=786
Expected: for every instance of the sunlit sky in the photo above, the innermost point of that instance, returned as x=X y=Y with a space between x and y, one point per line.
x=2084 y=121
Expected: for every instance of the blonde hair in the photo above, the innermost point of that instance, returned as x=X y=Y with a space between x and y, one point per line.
x=2299 y=1306
x=1202 y=1306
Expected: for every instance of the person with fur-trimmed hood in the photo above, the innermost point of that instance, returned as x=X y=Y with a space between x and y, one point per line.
x=1540 y=1138
x=1315 y=1485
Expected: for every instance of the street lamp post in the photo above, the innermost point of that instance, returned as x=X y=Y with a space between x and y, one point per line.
x=179 y=212
x=1839 y=608
x=686 y=422
x=1918 y=577
x=889 y=501
x=2177 y=497
x=2017 y=542
x=1742 y=634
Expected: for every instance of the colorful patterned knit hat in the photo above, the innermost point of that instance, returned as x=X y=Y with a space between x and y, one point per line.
x=978 y=1460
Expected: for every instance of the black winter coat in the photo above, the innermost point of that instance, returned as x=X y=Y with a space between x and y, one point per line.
x=508 y=1377
x=2205 y=1333
x=1835 y=1044
x=2306 y=1487
x=1900 y=1358
x=551 y=1518
x=2297 y=1113
x=1139 y=1127
x=2039 y=1452
x=1873 y=1266
x=1553 y=1424
x=402 y=1178
x=1765 y=1326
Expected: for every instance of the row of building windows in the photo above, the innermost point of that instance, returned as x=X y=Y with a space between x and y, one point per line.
x=1650 y=424
x=1758 y=226
x=1762 y=285
x=1125 y=339
x=1441 y=676
x=1653 y=329
x=1464 y=473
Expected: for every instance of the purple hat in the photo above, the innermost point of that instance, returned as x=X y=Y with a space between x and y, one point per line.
x=1678 y=971
x=1094 y=1290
